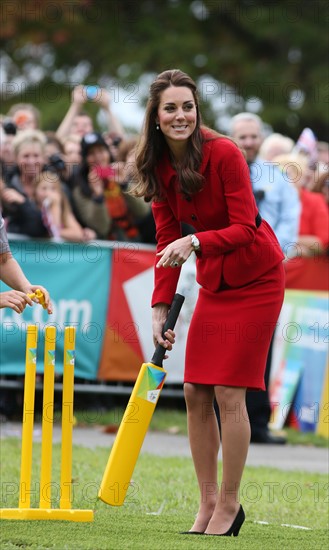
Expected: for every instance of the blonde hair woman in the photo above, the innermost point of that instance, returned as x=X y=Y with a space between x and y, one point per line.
x=23 y=216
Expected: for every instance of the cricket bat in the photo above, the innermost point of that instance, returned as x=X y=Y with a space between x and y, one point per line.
x=136 y=420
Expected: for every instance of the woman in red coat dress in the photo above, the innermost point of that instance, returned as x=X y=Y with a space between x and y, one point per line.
x=196 y=176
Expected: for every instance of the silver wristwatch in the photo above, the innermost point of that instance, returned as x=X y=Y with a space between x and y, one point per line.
x=195 y=243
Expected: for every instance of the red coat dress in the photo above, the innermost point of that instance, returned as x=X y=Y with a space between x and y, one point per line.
x=239 y=269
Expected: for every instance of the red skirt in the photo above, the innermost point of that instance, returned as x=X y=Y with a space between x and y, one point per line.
x=231 y=331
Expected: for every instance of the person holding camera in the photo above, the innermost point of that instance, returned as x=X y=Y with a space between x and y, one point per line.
x=279 y=205
x=25 y=116
x=88 y=185
x=100 y=193
x=21 y=116
x=57 y=161
x=79 y=122
x=8 y=131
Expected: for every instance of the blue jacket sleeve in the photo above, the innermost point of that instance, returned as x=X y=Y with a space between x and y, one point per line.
x=287 y=228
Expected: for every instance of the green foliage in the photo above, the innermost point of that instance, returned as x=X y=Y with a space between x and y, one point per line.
x=162 y=503
x=275 y=51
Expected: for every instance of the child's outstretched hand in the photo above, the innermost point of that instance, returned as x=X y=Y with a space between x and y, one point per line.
x=40 y=295
x=15 y=299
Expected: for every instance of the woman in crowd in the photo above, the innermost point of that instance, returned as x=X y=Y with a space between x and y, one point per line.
x=322 y=186
x=23 y=215
x=88 y=188
x=99 y=193
x=313 y=238
x=56 y=211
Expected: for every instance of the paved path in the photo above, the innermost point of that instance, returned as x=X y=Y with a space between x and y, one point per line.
x=284 y=457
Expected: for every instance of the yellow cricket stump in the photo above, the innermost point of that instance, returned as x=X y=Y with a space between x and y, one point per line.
x=47 y=418
x=45 y=512
x=67 y=418
x=28 y=416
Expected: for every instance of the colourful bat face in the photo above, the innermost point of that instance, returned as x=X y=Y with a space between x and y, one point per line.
x=151 y=383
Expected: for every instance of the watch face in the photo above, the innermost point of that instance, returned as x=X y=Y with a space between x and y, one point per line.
x=195 y=242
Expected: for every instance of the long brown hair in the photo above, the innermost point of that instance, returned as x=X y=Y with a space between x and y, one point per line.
x=152 y=143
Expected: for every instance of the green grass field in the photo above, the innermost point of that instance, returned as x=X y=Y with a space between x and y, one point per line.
x=161 y=503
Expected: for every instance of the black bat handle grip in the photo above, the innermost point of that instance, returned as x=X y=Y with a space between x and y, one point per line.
x=174 y=311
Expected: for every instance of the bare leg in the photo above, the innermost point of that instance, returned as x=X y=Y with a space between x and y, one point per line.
x=235 y=435
x=204 y=442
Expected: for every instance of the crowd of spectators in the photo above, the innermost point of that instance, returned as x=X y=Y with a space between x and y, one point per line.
x=72 y=184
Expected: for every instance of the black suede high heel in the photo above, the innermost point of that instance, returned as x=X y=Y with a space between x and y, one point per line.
x=235 y=527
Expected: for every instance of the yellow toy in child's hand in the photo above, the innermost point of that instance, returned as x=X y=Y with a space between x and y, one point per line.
x=38 y=294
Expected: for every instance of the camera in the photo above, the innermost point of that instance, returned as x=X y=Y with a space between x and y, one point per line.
x=91 y=92
x=105 y=172
x=9 y=128
x=116 y=141
x=55 y=164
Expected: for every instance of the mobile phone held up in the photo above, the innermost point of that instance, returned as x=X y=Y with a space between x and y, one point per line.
x=91 y=92
x=105 y=172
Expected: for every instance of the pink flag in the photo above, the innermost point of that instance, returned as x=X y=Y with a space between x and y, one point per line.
x=307 y=143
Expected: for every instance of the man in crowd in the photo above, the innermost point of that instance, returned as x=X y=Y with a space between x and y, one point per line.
x=278 y=204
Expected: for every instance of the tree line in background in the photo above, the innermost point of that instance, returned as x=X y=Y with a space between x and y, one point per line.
x=266 y=56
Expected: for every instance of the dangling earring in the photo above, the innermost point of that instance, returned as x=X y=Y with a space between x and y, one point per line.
x=157 y=127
